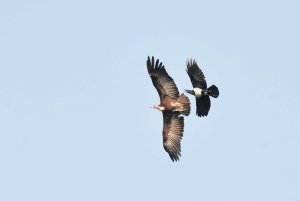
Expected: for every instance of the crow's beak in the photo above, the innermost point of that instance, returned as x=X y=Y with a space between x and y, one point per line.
x=190 y=91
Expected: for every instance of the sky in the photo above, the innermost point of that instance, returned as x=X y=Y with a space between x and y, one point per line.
x=75 y=96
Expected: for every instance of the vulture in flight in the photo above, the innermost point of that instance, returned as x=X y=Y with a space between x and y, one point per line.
x=172 y=105
x=200 y=90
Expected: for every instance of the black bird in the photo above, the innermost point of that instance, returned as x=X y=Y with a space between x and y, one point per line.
x=172 y=105
x=200 y=90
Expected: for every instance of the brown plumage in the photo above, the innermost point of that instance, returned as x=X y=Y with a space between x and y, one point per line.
x=172 y=134
x=171 y=104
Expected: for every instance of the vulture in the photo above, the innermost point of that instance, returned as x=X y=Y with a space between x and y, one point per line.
x=172 y=105
x=200 y=90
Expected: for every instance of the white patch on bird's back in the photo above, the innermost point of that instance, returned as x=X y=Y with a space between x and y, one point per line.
x=198 y=92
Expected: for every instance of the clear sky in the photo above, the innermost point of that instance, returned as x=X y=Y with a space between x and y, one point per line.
x=75 y=96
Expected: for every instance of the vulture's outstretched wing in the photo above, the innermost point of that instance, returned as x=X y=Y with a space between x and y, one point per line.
x=196 y=75
x=163 y=83
x=172 y=134
x=203 y=105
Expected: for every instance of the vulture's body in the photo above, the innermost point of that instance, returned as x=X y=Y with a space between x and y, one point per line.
x=200 y=90
x=172 y=106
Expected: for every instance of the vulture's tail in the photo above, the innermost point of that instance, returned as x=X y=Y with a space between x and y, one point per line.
x=186 y=106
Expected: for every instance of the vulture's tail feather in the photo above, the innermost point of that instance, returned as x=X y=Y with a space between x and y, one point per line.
x=186 y=106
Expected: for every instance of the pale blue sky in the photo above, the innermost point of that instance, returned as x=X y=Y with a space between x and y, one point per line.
x=75 y=97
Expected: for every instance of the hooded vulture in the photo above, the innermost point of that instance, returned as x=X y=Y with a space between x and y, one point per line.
x=172 y=105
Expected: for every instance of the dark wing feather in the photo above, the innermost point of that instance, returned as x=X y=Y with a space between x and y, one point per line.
x=203 y=105
x=196 y=75
x=172 y=134
x=163 y=83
